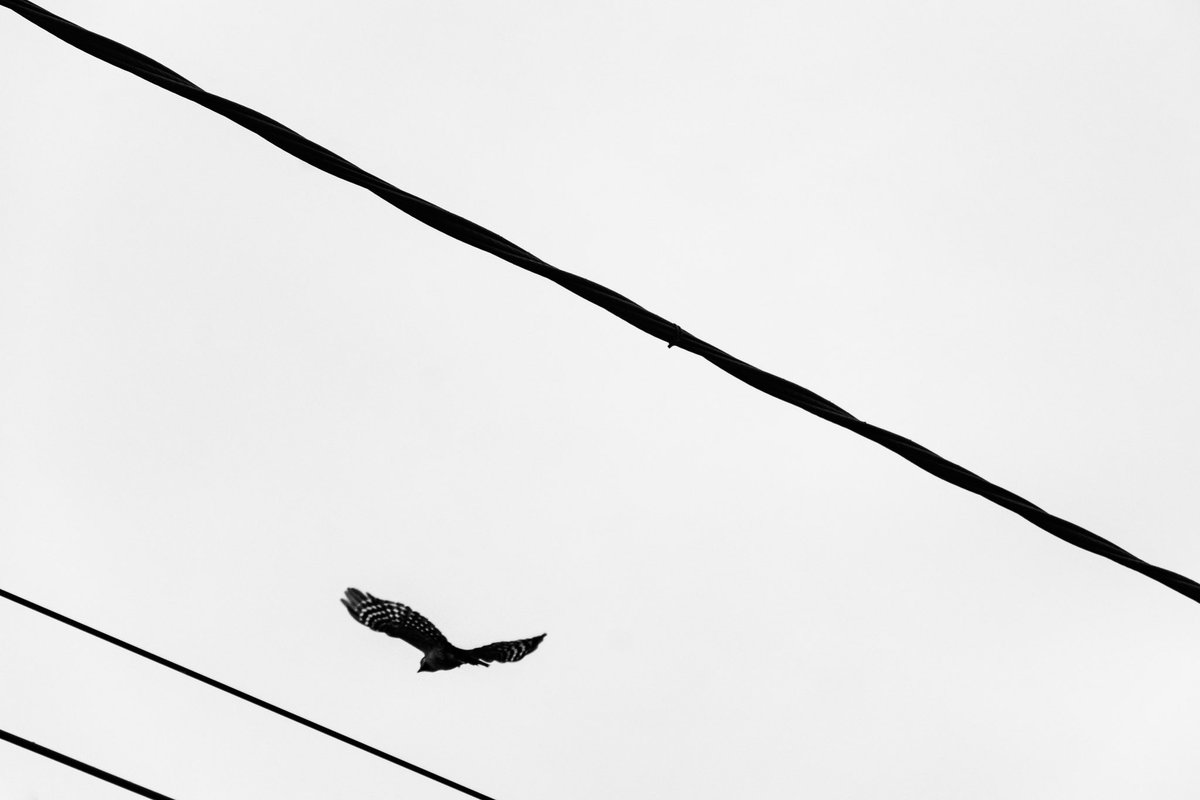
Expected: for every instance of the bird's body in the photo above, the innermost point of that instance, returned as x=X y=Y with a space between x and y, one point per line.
x=400 y=621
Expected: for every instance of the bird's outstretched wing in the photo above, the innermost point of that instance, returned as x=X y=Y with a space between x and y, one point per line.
x=506 y=651
x=394 y=619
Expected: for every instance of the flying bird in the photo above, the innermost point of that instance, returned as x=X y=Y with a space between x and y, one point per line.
x=397 y=619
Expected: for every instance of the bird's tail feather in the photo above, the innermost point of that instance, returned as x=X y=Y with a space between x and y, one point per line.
x=505 y=652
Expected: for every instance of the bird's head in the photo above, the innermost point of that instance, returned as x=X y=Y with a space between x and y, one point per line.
x=437 y=660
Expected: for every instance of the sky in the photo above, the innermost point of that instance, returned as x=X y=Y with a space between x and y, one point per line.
x=234 y=386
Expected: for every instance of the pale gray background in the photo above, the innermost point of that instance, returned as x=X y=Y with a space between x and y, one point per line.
x=233 y=386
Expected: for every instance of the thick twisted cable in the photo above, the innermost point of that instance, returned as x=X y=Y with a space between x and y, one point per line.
x=477 y=236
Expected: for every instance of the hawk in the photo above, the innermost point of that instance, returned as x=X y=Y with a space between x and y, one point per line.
x=397 y=619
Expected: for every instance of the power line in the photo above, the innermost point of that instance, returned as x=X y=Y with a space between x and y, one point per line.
x=191 y=673
x=477 y=236
x=95 y=772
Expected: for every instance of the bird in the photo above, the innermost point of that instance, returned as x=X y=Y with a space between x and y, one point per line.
x=402 y=622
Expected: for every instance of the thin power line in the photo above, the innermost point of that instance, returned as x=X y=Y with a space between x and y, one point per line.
x=477 y=236
x=95 y=772
x=191 y=673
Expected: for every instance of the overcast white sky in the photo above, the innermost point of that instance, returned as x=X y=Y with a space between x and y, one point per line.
x=233 y=386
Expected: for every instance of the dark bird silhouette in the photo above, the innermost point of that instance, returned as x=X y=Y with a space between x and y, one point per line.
x=397 y=619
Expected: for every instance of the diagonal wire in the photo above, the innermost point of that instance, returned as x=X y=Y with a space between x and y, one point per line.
x=477 y=236
x=95 y=772
x=191 y=673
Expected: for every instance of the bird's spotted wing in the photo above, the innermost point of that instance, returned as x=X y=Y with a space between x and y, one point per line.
x=394 y=619
x=506 y=651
